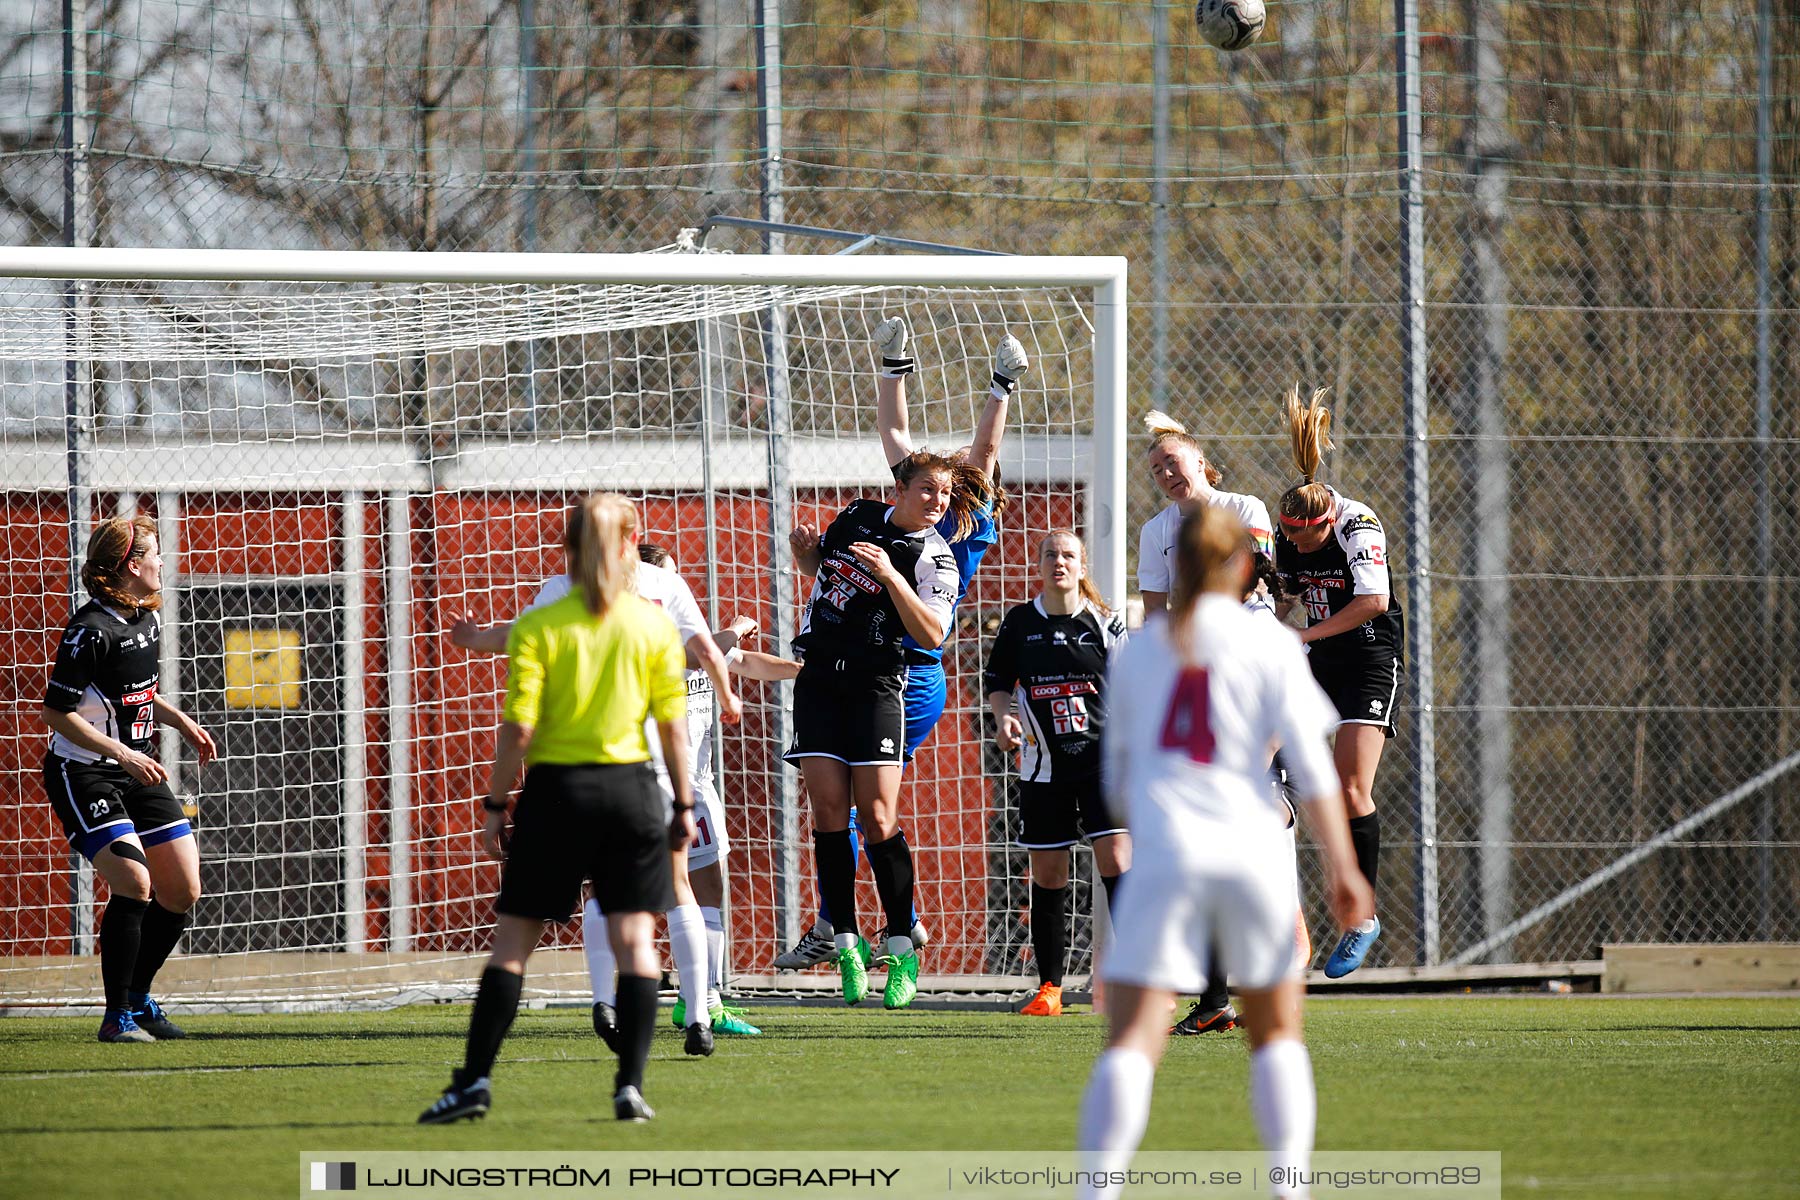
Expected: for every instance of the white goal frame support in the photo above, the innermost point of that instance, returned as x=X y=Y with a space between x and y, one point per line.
x=1103 y=275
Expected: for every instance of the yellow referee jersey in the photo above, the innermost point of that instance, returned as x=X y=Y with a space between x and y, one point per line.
x=586 y=683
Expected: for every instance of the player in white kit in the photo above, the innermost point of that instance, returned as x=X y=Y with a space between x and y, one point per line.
x=1180 y=470
x=1196 y=701
x=1182 y=473
x=696 y=928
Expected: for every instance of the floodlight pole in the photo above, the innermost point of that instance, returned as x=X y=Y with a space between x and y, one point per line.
x=528 y=167
x=1765 y=546
x=1418 y=471
x=1159 y=209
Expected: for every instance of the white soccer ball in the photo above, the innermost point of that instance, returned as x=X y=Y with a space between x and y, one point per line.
x=1230 y=24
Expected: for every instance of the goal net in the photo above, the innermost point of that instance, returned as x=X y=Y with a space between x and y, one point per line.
x=344 y=454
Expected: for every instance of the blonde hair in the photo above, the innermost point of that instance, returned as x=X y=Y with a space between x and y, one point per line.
x=1210 y=539
x=1089 y=592
x=1164 y=428
x=115 y=544
x=599 y=527
x=1309 y=432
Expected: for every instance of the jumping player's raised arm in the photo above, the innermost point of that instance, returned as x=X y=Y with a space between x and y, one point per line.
x=891 y=417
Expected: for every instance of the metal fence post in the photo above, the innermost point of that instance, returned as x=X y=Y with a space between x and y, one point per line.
x=781 y=489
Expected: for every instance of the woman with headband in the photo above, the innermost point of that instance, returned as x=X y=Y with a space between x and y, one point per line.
x=105 y=782
x=1331 y=553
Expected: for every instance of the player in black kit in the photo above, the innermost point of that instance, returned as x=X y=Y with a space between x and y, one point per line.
x=1331 y=553
x=1050 y=657
x=880 y=573
x=104 y=781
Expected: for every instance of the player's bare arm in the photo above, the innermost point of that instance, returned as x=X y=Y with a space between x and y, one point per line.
x=74 y=727
x=205 y=750
x=916 y=615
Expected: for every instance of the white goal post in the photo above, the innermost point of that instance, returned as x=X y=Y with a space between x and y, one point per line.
x=344 y=450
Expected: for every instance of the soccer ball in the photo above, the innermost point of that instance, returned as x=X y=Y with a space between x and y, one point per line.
x=1229 y=24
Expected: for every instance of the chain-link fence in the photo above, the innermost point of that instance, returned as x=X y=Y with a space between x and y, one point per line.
x=1611 y=277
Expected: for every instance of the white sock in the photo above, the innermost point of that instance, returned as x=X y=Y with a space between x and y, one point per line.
x=603 y=969
x=843 y=941
x=899 y=947
x=1114 y=1110
x=1286 y=1107
x=715 y=954
x=687 y=942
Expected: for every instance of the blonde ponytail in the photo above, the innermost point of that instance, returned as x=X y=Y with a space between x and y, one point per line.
x=1309 y=438
x=599 y=527
x=1210 y=540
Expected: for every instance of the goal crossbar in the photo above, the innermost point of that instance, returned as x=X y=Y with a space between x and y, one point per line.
x=404 y=266
x=1104 y=275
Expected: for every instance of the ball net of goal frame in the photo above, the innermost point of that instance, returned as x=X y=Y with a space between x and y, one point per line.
x=340 y=471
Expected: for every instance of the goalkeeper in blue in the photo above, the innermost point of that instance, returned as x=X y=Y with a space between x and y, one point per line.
x=970 y=530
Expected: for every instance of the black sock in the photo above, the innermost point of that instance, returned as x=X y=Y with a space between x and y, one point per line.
x=121 y=933
x=1216 y=995
x=837 y=878
x=637 y=1021
x=162 y=929
x=1365 y=837
x=892 y=864
x=496 y=1004
x=1050 y=931
x=1111 y=884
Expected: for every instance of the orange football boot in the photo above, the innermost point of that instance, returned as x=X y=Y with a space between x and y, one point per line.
x=1047 y=1002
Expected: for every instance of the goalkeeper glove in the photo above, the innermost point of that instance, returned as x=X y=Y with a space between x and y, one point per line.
x=890 y=343
x=1009 y=364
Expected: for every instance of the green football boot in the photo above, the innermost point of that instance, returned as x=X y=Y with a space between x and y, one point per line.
x=853 y=970
x=729 y=1022
x=902 y=980
x=678 y=1014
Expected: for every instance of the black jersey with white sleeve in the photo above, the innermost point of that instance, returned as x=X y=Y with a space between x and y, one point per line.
x=106 y=673
x=1054 y=664
x=1353 y=562
x=850 y=616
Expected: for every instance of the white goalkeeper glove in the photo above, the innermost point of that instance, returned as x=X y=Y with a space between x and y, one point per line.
x=890 y=343
x=1009 y=364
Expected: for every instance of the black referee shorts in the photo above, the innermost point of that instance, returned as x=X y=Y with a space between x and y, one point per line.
x=1362 y=689
x=605 y=822
x=849 y=713
x=1060 y=813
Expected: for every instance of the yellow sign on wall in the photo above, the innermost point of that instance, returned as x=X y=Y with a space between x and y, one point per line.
x=263 y=668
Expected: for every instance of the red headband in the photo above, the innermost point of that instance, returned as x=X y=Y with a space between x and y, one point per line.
x=1304 y=523
x=130 y=544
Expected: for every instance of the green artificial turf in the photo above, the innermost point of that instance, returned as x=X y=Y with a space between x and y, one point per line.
x=1584 y=1096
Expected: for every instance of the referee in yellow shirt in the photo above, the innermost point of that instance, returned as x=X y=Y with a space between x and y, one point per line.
x=584 y=673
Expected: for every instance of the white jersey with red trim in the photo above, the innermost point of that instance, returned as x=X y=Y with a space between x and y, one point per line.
x=1156 y=543
x=669 y=592
x=1188 y=739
